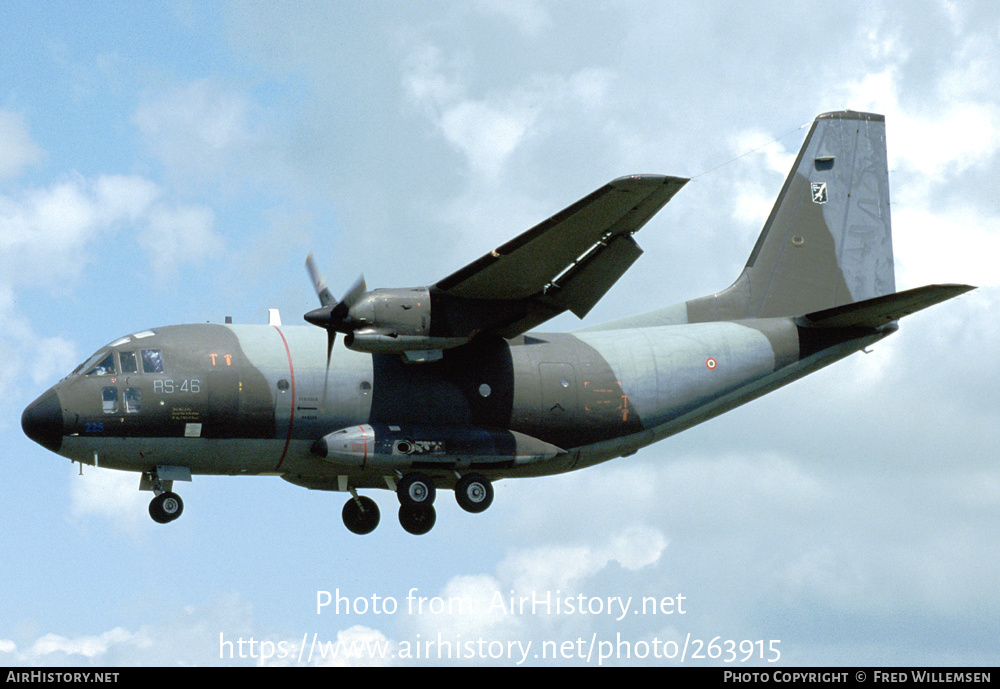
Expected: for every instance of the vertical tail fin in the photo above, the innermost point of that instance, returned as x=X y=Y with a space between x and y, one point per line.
x=828 y=240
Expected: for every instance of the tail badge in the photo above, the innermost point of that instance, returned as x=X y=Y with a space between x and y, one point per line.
x=819 y=192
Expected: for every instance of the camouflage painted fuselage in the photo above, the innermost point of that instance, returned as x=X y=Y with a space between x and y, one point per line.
x=253 y=399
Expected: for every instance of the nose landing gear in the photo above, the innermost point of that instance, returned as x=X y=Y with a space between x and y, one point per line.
x=166 y=507
x=360 y=514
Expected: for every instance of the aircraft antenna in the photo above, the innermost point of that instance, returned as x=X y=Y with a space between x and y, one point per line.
x=753 y=150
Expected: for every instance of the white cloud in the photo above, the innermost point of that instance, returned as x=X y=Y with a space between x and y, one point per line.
x=59 y=230
x=823 y=572
x=178 y=235
x=540 y=592
x=58 y=650
x=486 y=133
x=198 y=129
x=490 y=128
x=182 y=636
x=565 y=567
x=358 y=646
x=25 y=352
x=958 y=245
x=427 y=81
x=54 y=230
x=86 y=648
x=111 y=495
x=17 y=150
x=766 y=163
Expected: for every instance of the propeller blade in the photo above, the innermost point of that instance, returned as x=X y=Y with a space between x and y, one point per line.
x=325 y=298
x=357 y=291
x=331 y=337
x=331 y=316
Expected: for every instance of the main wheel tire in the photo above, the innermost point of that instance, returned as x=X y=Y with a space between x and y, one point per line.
x=417 y=519
x=474 y=493
x=166 y=507
x=415 y=489
x=360 y=518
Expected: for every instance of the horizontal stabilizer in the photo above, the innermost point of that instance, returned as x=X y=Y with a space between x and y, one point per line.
x=878 y=311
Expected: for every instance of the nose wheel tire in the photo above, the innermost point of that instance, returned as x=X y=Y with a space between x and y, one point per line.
x=166 y=507
x=474 y=493
x=361 y=515
x=415 y=489
x=417 y=519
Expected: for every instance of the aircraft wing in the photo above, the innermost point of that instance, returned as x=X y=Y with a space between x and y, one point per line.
x=567 y=262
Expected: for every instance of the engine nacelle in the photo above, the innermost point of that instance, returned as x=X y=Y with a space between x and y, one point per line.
x=400 y=447
x=398 y=321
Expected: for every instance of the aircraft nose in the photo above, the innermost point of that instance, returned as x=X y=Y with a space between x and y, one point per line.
x=42 y=421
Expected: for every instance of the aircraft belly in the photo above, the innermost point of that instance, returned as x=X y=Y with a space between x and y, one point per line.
x=226 y=456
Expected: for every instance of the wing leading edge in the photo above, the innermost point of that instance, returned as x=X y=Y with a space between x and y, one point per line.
x=567 y=262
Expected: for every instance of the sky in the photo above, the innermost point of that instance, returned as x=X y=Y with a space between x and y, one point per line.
x=175 y=162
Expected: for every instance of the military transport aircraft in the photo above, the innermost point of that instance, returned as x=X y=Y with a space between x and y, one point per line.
x=446 y=386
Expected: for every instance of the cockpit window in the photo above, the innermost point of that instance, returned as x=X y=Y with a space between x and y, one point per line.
x=105 y=367
x=128 y=362
x=152 y=362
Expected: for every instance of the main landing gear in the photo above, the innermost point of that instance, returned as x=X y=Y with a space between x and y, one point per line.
x=416 y=503
x=416 y=493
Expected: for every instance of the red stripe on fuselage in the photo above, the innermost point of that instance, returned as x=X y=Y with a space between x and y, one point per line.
x=291 y=411
x=364 y=460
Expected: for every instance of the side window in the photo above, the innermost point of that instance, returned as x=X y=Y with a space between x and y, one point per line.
x=133 y=400
x=105 y=367
x=109 y=400
x=128 y=362
x=152 y=362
